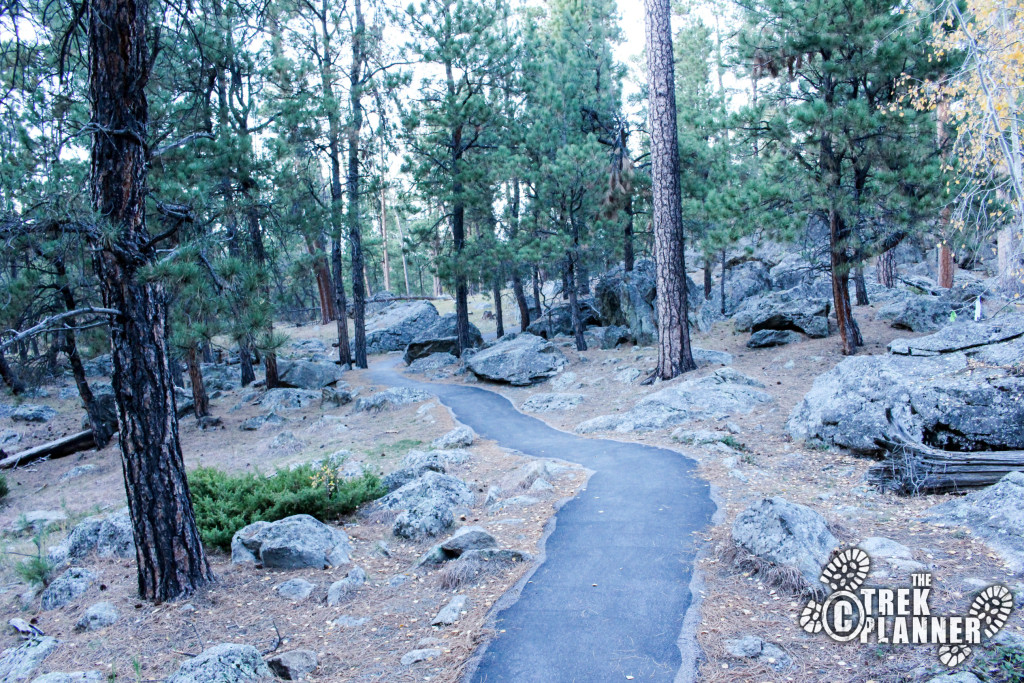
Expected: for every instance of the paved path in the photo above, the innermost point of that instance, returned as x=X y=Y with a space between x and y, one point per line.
x=609 y=600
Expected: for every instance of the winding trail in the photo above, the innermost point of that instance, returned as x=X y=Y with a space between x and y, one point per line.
x=610 y=597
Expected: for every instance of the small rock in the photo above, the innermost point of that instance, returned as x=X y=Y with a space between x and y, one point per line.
x=66 y=587
x=291 y=543
x=460 y=437
x=294 y=665
x=100 y=615
x=295 y=589
x=451 y=612
x=73 y=677
x=224 y=663
x=541 y=486
x=23 y=628
x=29 y=412
x=426 y=654
x=958 y=677
x=547 y=403
x=18 y=663
x=466 y=538
x=346 y=621
x=78 y=471
x=343 y=590
x=752 y=647
x=763 y=339
x=881 y=548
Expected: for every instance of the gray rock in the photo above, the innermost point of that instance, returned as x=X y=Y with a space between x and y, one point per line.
x=257 y=422
x=761 y=651
x=422 y=655
x=294 y=665
x=295 y=589
x=391 y=398
x=763 y=339
x=546 y=403
x=514 y=502
x=440 y=337
x=711 y=357
x=403 y=476
x=433 y=362
x=116 y=537
x=281 y=400
x=699 y=437
x=793 y=309
x=786 y=534
x=442 y=457
x=427 y=518
x=626 y=376
x=429 y=487
x=717 y=396
x=541 y=486
x=963 y=336
x=452 y=612
x=343 y=590
x=35 y=521
x=73 y=677
x=743 y=281
x=79 y=543
x=100 y=366
x=917 y=313
x=466 y=538
x=932 y=398
x=29 y=412
x=460 y=437
x=291 y=543
x=9 y=437
x=995 y=515
x=346 y=621
x=522 y=361
x=958 y=677
x=557 y=320
x=310 y=346
x=337 y=396
x=19 y=663
x=301 y=374
x=609 y=337
x=286 y=443
x=78 y=471
x=224 y=663
x=881 y=548
x=564 y=380
x=71 y=584
x=794 y=270
x=98 y=616
x=393 y=328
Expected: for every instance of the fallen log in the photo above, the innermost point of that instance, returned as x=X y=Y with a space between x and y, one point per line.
x=912 y=468
x=69 y=445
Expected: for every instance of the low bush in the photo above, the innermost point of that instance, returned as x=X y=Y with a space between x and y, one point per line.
x=224 y=503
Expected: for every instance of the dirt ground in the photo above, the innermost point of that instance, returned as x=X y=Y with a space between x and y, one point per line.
x=149 y=641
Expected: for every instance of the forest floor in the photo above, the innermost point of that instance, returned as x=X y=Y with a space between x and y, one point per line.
x=149 y=641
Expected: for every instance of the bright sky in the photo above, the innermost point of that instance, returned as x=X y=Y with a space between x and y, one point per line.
x=632 y=13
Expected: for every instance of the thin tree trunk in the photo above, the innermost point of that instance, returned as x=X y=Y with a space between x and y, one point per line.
x=10 y=377
x=707 y=277
x=352 y=183
x=574 y=306
x=384 y=237
x=674 y=354
x=848 y=330
x=947 y=267
x=721 y=284
x=536 y=293
x=245 y=362
x=195 y=376
x=860 y=286
x=344 y=350
x=170 y=555
x=405 y=261
x=324 y=287
x=520 y=294
x=628 y=258
x=498 y=313
x=259 y=254
x=885 y=269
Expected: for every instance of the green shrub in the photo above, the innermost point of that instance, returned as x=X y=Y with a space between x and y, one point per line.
x=4 y=489
x=224 y=503
x=37 y=570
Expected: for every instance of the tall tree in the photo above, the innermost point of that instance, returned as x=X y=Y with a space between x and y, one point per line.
x=674 y=354
x=170 y=554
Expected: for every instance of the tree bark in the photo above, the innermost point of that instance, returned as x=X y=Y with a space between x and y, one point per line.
x=707 y=278
x=384 y=237
x=947 y=267
x=860 y=286
x=536 y=293
x=498 y=313
x=170 y=554
x=248 y=375
x=628 y=259
x=405 y=261
x=848 y=330
x=344 y=350
x=10 y=377
x=674 y=354
x=886 y=269
x=355 y=239
x=520 y=294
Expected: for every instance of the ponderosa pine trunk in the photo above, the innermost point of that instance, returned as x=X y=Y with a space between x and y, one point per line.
x=170 y=555
x=344 y=348
x=885 y=269
x=248 y=374
x=521 y=301
x=947 y=267
x=674 y=354
x=628 y=258
x=355 y=238
x=536 y=293
x=860 y=286
x=200 y=398
x=259 y=255
x=707 y=278
x=849 y=332
x=498 y=313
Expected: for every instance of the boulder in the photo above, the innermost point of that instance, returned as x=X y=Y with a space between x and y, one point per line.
x=627 y=299
x=759 y=650
x=460 y=437
x=557 y=320
x=711 y=357
x=400 y=477
x=963 y=336
x=295 y=589
x=431 y=486
x=763 y=339
x=343 y=590
x=109 y=536
x=607 y=338
x=427 y=518
x=337 y=396
x=394 y=327
x=795 y=270
x=258 y=422
x=290 y=543
x=451 y=612
x=935 y=399
x=311 y=346
x=786 y=534
x=9 y=437
x=522 y=361
x=995 y=515
x=98 y=616
x=100 y=366
x=72 y=677
x=916 y=313
x=302 y=374
x=546 y=403
x=280 y=400
x=717 y=396
x=440 y=337
x=440 y=457
x=391 y=398
x=224 y=663
x=294 y=665
x=792 y=309
x=433 y=362
x=66 y=587
x=19 y=663
x=743 y=281
x=30 y=412
x=465 y=539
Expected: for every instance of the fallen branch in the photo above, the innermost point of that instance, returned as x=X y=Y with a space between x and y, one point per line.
x=69 y=445
x=52 y=321
x=913 y=468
